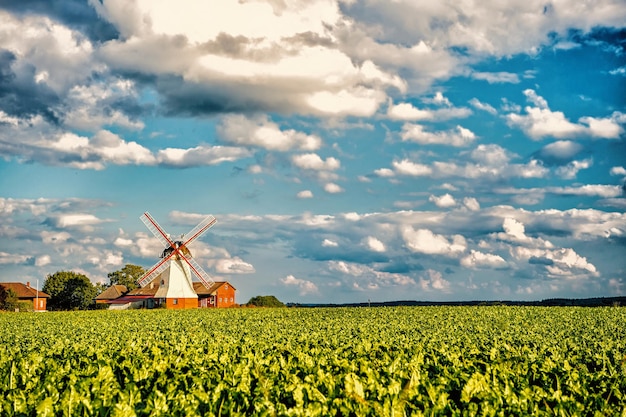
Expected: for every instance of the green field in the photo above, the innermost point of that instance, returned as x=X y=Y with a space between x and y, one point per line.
x=434 y=361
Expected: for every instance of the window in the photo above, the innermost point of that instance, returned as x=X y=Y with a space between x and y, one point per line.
x=231 y=299
x=175 y=301
x=220 y=299
x=226 y=286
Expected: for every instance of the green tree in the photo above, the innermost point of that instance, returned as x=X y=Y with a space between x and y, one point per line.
x=8 y=299
x=127 y=276
x=265 y=301
x=69 y=291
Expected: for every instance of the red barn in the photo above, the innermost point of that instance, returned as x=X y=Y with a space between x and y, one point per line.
x=220 y=294
x=25 y=292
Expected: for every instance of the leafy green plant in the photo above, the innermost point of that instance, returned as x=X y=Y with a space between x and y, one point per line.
x=423 y=361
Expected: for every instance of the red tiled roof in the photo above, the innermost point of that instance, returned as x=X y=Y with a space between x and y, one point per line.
x=23 y=291
x=147 y=290
x=111 y=293
x=200 y=289
x=129 y=299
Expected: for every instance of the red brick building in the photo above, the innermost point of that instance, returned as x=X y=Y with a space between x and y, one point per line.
x=112 y=293
x=220 y=294
x=25 y=292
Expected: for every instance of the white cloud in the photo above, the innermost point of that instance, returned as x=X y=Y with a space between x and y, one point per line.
x=374 y=244
x=444 y=201
x=364 y=277
x=540 y=122
x=570 y=170
x=406 y=167
x=233 y=266
x=433 y=280
x=496 y=77
x=305 y=287
x=460 y=136
x=314 y=162
x=305 y=194
x=260 y=131
x=477 y=104
x=332 y=188
x=471 y=203
x=327 y=243
x=406 y=111
x=384 y=172
x=43 y=260
x=618 y=171
x=477 y=259
x=561 y=150
x=200 y=156
x=425 y=241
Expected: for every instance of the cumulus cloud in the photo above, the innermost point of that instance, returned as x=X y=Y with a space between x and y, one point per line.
x=618 y=171
x=200 y=156
x=374 y=244
x=561 y=150
x=305 y=194
x=305 y=287
x=476 y=259
x=458 y=137
x=332 y=188
x=477 y=104
x=260 y=131
x=233 y=266
x=433 y=281
x=539 y=122
x=408 y=112
x=314 y=162
x=444 y=201
x=471 y=203
x=496 y=77
x=363 y=277
x=570 y=170
x=407 y=167
x=427 y=242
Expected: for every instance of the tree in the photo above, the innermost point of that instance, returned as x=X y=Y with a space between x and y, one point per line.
x=127 y=276
x=265 y=301
x=8 y=299
x=69 y=291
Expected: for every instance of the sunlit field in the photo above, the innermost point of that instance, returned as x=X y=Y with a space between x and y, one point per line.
x=435 y=361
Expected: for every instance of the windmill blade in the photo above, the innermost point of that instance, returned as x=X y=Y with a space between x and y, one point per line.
x=205 y=278
x=156 y=270
x=202 y=227
x=156 y=230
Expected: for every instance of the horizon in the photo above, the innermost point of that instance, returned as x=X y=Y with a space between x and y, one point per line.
x=348 y=149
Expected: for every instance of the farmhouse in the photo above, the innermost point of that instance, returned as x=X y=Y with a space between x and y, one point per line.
x=112 y=293
x=25 y=292
x=220 y=294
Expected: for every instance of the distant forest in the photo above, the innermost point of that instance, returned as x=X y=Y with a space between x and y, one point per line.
x=550 y=302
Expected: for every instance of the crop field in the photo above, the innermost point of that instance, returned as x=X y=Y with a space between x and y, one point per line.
x=396 y=361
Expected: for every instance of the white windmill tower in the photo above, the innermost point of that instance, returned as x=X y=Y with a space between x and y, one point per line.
x=174 y=270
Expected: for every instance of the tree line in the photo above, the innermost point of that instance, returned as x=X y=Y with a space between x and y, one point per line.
x=70 y=290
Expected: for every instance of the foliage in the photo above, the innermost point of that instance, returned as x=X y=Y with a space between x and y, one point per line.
x=8 y=299
x=265 y=301
x=69 y=291
x=25 y=305
x=399 y=361
x=127 y=276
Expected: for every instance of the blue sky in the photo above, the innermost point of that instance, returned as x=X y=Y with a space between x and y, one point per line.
x=350 y=150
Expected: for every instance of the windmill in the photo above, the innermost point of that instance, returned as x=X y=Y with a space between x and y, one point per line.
x=176 y=265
